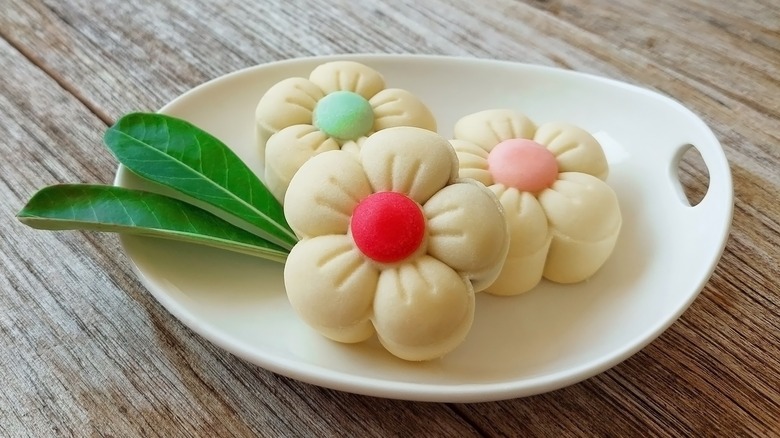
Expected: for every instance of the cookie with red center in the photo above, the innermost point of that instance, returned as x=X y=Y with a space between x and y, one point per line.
x=392 y=243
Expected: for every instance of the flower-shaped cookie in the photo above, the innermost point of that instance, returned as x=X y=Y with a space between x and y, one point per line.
x=563 y=218
x=337 y=107
x=392 y=242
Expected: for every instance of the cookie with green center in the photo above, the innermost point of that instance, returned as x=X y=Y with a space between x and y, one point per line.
x=337 y=107
x=392 y=243
x=564 y=219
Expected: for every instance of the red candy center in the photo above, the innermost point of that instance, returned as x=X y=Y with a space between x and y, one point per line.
x=388 y=226
x=523 y=164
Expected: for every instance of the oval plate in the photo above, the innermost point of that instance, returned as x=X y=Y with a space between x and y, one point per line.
x=548 y=338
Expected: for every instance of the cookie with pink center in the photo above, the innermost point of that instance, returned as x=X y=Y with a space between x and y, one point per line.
x=338 y=106
x=564 y=219
x=392 y=243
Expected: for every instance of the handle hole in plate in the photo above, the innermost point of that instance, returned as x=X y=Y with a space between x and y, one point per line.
x=692 y=175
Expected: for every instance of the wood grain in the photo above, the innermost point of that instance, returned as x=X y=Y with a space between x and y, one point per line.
x=86 y=351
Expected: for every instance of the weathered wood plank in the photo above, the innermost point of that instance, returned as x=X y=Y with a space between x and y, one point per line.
x=97 y=355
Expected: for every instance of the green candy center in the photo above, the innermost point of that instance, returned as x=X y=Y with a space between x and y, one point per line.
x=344 y=115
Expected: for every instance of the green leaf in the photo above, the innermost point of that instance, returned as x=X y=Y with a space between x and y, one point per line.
x=179 y=155
x=116 y=209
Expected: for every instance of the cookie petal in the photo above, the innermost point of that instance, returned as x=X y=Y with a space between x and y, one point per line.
x=331 y=286
x=423 y=309
x=396 y=107
x=490 y=127
x=585 y=218
x=287 y=150
x=529 y=242
x=289 y=102
x=472 y=161
x=347 y=76
x=409 y=160
x=323 y=194
x=353 y=146
x=574 y=148
x=467 y=231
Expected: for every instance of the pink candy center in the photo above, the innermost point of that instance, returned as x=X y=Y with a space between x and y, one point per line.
x=523 y=164
x=388 y=226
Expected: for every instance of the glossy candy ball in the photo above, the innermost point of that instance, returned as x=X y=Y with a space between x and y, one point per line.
x=523 y=164
x=344 y=115
x=388 y=227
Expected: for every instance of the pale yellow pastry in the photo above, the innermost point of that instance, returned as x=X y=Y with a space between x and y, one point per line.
x=337 y=107
x=392 y=243
x=564 y=220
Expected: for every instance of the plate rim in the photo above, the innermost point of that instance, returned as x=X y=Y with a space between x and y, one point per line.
x=432 y=392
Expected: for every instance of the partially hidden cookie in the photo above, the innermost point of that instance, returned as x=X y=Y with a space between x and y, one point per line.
x=392 y=243
x=564 y=220
x=338 y=106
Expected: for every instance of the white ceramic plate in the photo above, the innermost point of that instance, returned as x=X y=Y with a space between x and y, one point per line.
x=549 y=338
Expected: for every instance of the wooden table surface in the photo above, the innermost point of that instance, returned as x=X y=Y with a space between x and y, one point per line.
x=86 y=350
